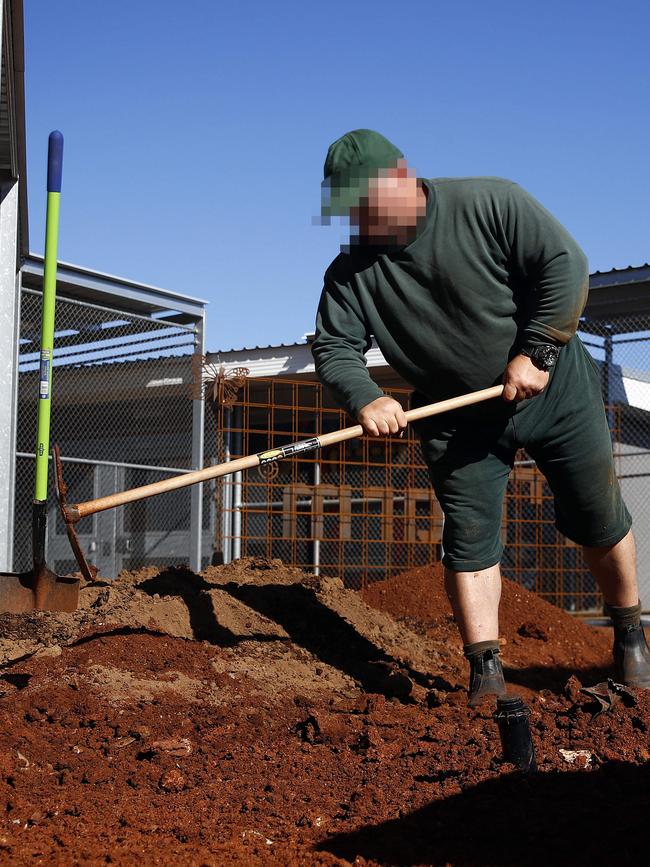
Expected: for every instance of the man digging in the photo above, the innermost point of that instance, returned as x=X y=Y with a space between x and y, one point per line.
x=466 y=283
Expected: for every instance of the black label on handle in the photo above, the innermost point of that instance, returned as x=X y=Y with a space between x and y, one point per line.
x=288 y=451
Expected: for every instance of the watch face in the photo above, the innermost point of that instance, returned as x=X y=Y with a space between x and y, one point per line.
x=545 y=356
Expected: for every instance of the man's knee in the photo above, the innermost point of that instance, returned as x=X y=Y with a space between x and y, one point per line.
x=479 y=563
x=626 y=540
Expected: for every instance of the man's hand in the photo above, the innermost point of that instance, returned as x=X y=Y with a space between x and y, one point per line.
x=522 y=379
x=382 y=417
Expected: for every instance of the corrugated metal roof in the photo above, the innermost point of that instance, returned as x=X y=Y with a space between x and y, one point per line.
x=263 y=346
x=618 y=270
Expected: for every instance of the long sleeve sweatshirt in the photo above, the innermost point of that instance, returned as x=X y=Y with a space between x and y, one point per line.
x=490 y=272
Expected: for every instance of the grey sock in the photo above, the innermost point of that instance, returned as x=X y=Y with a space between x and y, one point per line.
x=480 y=647
x=623 y=617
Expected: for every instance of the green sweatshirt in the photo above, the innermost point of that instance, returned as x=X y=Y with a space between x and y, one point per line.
x=491 y=271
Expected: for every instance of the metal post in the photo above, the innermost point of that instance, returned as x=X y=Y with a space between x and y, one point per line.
x=105 y=481
x=314 y=523
x=196 y=494
x=131 y=545
x=212 y=535
x=237 y=489
x=9 y=331
x=226 y=513
x=607 y=377
x=236 y=515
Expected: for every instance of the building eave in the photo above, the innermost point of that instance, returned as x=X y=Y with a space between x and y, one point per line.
x=13 y=159
x=78 y=282
x=619 y=293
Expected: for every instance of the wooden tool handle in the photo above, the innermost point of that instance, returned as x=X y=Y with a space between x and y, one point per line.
x=82 y=510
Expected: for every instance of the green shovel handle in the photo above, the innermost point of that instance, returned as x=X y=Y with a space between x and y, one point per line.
x=54 y=169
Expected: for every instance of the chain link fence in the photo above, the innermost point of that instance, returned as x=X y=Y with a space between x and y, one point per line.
x=123 y=416
x=621 y=347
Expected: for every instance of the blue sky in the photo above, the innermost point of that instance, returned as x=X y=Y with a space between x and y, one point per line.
x=195 y=132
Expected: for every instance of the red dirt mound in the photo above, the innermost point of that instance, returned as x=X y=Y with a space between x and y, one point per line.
x=253 y=715
x=541 y=646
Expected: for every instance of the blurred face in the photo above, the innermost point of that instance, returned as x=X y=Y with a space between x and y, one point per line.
x=395 y=206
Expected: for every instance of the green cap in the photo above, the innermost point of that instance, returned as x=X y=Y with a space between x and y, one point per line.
x=351 y=162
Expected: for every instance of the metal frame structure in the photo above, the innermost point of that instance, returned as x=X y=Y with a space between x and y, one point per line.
x=102 y=296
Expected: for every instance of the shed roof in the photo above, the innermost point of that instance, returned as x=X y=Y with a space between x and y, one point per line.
x=13 y=159
x=121 y=293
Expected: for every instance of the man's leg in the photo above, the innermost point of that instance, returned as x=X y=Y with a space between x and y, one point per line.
x=613 y=565
x=474 y=598
x=569 y=437
x=469 y=467
x=614 y=568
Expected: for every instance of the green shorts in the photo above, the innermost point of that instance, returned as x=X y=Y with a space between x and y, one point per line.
x=564 y=429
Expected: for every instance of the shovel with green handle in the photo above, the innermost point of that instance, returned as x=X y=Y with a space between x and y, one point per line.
x=41 y=589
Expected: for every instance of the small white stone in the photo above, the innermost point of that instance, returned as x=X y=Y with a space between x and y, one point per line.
x=571 y=755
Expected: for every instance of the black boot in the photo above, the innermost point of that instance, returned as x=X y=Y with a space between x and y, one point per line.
x=486 y=671
x=631 y=651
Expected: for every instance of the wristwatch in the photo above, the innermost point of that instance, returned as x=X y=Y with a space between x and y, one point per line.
x=543 y=356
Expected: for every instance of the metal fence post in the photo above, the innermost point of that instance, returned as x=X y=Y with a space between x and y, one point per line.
x=196 y=495
x=226 y=492
x=315 y=523
x=607 y=376
x=236 y=513
x=108 y=560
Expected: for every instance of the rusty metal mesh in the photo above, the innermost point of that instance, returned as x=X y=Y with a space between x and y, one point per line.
x=364 y=509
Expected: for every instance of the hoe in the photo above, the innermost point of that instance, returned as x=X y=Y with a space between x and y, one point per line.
x=74 y=512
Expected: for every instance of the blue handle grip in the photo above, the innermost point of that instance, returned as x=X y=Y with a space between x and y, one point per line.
x=54 y=162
